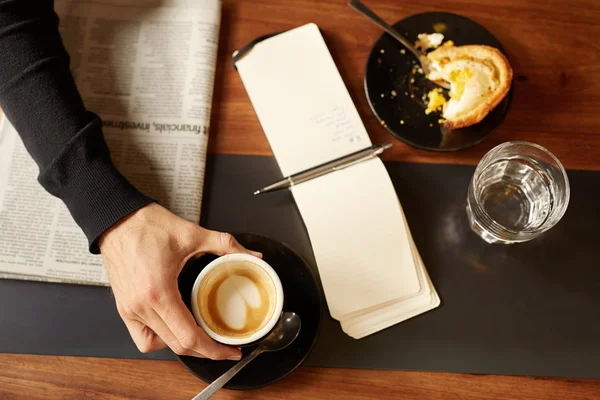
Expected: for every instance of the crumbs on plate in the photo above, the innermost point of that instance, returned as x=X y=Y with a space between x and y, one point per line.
x=440 y=27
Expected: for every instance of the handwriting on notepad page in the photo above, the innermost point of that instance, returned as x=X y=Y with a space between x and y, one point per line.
x=336 y=124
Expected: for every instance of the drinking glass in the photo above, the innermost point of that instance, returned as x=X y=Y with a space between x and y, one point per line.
x=519 y=190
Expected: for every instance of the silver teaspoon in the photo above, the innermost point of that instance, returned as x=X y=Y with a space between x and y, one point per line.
x=284 y=333
x=423 y=60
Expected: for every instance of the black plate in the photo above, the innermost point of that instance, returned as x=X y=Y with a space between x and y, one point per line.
x=302 y=295
x=392 y=70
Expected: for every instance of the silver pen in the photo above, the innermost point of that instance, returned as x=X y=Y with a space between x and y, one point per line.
x=326 y=168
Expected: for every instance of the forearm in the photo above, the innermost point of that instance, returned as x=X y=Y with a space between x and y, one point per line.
x=39 y=97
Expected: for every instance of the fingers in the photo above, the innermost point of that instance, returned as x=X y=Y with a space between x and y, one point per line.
x=255 y=253
x=159 y=326
x=144 y=338
x=189 y=335
x=153 y=334
x=221 y=243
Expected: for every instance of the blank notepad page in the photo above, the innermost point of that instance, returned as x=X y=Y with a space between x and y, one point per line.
x=354 y=221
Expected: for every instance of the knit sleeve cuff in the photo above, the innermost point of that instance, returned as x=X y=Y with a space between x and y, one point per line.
x=85 y=179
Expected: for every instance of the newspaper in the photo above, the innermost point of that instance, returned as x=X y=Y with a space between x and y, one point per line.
x=147 y=68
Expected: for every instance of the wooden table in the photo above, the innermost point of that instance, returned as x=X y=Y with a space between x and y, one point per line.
x=554 y=49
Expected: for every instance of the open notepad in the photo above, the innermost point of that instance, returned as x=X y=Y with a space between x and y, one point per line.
x=371 y=271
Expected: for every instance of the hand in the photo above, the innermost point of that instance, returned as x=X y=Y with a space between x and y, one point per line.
x=144 y=254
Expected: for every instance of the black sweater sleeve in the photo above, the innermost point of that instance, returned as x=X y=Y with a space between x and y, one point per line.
x=39 y=97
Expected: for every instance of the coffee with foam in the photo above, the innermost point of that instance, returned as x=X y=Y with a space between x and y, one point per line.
x=237 y=299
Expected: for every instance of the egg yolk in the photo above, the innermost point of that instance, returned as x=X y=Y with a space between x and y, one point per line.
x=436 y=101
x=459 y=79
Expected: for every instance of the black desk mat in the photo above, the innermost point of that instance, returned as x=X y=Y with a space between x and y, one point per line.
x=527 y=309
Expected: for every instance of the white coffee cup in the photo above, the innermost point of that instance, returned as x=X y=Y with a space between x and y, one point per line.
x=235 y=259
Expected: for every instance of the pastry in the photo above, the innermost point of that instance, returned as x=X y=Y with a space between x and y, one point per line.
x=479 y=76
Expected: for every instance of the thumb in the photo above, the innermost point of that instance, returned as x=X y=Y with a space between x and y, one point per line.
x=221 y=243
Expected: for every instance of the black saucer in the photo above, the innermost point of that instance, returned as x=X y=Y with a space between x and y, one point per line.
x=392 y=71
x=302 y=296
